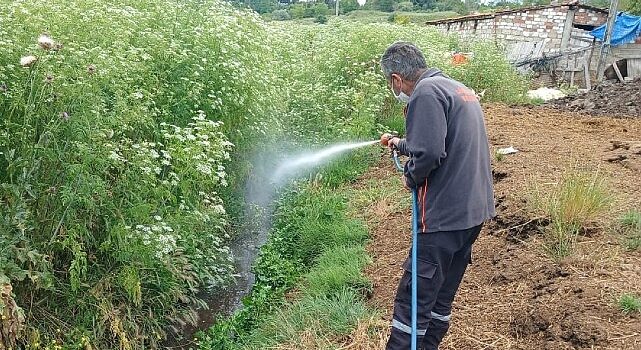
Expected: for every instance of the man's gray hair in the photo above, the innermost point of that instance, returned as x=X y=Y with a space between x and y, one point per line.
x=403 y=58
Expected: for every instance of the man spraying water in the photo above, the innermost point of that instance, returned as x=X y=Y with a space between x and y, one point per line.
x=449 y=167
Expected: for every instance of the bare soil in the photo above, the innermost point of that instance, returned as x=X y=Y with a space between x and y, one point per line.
x=514 y=296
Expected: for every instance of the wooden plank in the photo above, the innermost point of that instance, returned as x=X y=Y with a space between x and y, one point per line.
x=567 y=29
x=586 y=76
x=582 y=38
x=605 y=47
x=617 y=71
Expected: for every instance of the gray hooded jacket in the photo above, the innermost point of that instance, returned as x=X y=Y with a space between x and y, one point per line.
x=449 y=154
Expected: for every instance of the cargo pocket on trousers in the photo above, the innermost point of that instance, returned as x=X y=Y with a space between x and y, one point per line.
x=425 y=273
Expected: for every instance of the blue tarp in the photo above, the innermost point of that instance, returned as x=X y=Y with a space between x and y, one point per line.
x=626 y=29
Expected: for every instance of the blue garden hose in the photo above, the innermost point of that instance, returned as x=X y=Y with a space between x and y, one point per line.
x=414 y=250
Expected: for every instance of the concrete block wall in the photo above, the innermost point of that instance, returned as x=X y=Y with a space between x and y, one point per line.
x=530 y=25
x=535 y=25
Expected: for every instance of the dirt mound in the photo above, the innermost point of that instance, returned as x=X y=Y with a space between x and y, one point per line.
x=621 y=100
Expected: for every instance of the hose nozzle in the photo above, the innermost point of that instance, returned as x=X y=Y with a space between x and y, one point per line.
x=385 y=138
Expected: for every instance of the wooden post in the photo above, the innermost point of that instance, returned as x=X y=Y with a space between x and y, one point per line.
x=567 y=29
x=605 y=45
x=586 y=75
x=615 y=66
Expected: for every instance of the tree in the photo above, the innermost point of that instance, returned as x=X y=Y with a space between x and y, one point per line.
x=424 y=4
x=347 y=6
x=263 y=6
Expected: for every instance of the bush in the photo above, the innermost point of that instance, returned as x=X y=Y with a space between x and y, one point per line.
x=114 y=151
x=281 y=15
x=320 y=9
x=321 y=19
x=297 y=10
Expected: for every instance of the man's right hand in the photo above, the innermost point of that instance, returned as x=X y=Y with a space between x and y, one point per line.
x=389 y=140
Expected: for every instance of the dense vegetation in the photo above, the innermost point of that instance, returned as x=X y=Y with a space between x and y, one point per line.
x=125 y=136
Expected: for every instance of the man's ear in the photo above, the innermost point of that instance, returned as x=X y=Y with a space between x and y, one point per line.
x=395 y=77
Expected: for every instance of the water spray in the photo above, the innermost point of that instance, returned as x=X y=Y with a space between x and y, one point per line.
x=309 y=159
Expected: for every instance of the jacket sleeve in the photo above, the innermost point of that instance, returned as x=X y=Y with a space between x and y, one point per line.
x=402 y=147
x=426 y=128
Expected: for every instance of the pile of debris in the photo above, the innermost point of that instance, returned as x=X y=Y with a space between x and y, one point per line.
x=621 y=100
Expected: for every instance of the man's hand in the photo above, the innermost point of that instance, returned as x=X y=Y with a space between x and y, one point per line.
x=404 y=182
x=389 y=140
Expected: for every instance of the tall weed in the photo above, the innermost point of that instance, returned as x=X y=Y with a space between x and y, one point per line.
x=575 y=201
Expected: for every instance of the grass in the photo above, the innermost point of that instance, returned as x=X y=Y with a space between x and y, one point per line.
x=338 y=268
x=629 y=303
x=315 y=255
x=537 y=101
x=630 y=227
x=577 y=200
x=313 y=322
x=498 y=156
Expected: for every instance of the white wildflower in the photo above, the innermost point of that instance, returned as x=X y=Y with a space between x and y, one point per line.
x=204 y=168
x=46 y=42
x=28 y=61
x=218 y=209
x=157 y=217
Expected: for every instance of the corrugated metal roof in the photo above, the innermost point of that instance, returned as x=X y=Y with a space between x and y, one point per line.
x=506 y=12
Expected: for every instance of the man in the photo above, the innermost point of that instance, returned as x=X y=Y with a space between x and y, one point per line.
x=449 y=166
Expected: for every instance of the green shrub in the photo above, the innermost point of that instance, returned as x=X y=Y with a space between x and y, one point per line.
x=297 y=10
x=281 y=15
x=321 y=19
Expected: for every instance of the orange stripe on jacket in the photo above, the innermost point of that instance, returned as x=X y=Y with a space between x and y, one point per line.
x=424 y=196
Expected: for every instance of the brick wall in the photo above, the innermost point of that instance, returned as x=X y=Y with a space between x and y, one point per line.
x=534 y=25
x=589 y=17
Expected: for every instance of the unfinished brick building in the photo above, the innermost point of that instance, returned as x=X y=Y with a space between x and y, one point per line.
x=555 y=35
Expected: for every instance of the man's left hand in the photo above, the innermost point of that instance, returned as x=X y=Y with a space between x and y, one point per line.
x=404 y=182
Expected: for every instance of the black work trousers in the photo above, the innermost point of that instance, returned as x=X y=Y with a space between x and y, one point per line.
x=441 y=262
